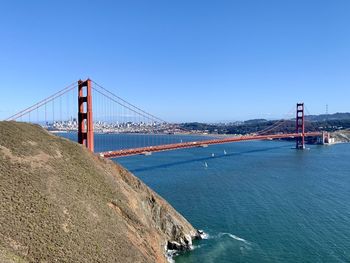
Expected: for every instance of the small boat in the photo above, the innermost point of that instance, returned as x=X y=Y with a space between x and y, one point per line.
x=212 y=155
x=224 y=152
x=205 y=164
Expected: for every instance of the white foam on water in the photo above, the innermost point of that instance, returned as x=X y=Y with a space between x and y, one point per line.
x=170 y=259
x=193 y=247
x=234 y=237
x=169 y=255
x=196 y=247
x=205 y=236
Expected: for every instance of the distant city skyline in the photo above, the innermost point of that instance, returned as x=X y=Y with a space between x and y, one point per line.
x=205 y=61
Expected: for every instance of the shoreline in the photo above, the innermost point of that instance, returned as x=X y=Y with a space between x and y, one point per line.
x=173 y=248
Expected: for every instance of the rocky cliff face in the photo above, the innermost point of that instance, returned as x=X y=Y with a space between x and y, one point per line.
x=61 y=203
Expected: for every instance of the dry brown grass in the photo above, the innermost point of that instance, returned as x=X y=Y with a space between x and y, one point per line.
x=59 y=203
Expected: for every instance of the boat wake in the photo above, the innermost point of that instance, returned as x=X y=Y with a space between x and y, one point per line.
x=220 y=235
x=234 y=237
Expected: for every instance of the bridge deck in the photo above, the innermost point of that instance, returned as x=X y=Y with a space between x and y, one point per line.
x=175 y=146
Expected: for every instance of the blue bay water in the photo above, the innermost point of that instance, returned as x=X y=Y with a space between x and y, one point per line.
x=260 y=202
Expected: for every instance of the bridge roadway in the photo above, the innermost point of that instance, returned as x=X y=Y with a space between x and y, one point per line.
x=182 y=145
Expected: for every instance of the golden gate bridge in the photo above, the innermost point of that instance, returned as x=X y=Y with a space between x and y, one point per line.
x=87 y=108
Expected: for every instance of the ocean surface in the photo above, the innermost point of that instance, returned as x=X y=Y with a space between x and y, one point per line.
x=260 y=202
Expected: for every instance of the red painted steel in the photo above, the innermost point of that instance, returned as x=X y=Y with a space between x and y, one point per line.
x=167 y=147
x=300 y=126
x=85 y=123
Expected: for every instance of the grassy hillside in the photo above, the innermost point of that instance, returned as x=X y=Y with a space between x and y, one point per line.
x=60 y=203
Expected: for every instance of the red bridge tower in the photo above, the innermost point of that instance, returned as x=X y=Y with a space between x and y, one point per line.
x=300 y=126
x=85 y=123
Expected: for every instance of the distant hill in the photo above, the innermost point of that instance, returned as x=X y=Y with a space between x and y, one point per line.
x=325 y=117
x=320 y=118
x=254 y=121
x=60 y=203
x=323 y=122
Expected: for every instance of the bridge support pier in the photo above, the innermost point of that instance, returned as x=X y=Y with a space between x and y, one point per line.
x=85 y=123
x=300 y=127
x=324 y=138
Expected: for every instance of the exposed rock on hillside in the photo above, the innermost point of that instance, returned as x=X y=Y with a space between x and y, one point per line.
x=61 y=203
x=341 y=136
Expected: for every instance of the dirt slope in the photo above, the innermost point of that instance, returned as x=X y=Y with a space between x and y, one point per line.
x=59 y=203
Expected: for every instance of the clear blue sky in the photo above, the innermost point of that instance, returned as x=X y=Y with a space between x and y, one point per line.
x=183 y=60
